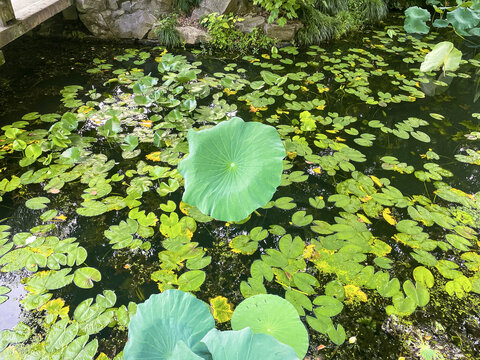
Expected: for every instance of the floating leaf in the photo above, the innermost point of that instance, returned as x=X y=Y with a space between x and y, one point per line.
x=222 y=309
x=85 y=276
x=232 y=169
x=271 y=314
x=37 y=203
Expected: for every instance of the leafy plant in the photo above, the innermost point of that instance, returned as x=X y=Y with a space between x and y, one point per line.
x=224 y=35
x=166 y=31
x=186 y=5
x=175 y=324
x=464 y=17
x=232 y=168
x=281 y=10
x=443 y=55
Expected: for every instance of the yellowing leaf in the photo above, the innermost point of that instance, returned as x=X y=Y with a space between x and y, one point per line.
x=222 y=309
x=154 y=156
x=387 y=215
x=182 y=207
x=353 y=293
x=146 y=123
x=229 y=92
x=363 y=218
x=61 y=217
x=376 y=180
x=291 y=154
x=308 y=251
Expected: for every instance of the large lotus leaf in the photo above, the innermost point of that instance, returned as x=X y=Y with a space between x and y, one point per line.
x=165 y=320
x=463 y=19
x=444 y=55
x=416 y=20
x=232 y=169
x=273 y=315
x=245 y=345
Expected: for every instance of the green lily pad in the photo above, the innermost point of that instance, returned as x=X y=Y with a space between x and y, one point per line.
x=271 y=314
x=3 y=290
x=246 y=345
x=37 y=203
x=232 y=169
x=165 y=320
x=84 y=277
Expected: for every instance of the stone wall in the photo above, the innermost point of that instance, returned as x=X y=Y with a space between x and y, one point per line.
x=135 y=18
x=121 y=18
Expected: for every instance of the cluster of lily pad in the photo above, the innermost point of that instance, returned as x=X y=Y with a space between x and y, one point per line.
x=335 y=236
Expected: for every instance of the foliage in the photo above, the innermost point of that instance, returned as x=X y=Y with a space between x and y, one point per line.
x=232 y=168
x=224 y=35
x=166 y=31
x=281 y=10
x=464 y=17
x=186 y=5
x=175 y=324
x=331 y=20
x=374 y=217
x=443 y=55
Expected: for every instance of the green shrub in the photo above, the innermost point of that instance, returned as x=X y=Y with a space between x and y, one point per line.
x=225 y=36
x=186 y=5
x=281 y=10
x=167 y=32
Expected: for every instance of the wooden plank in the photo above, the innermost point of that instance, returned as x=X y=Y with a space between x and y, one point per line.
x=31 y=16
x=6 y=12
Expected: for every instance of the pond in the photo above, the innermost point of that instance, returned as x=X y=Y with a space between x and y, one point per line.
x=371 y=235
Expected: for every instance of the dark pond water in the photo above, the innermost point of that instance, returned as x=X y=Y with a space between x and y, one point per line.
x=38 y=69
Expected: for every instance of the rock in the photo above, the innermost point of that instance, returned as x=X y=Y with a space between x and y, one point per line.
x=95 y=23
x=282 y=33
x=220 y=7
x=135 y=25
x=121 y=18
x=249 y=23
x=112 y=4
x=192 y=35
x=126 y=6
x=97 y=6
x=70 y=13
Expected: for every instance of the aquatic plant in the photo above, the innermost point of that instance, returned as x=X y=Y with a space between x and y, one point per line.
x=464 y=17
x=175 y=324
x=359 y=230
x=232 y=168
x=443 y=55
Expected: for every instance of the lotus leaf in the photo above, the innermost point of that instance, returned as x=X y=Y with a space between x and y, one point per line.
x=415 y=20
x=232 y=169
x=164 y=321
x=246 y=345
x=444 y=55
x=271 y=314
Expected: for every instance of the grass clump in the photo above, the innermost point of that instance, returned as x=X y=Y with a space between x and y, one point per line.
x=166 y=31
